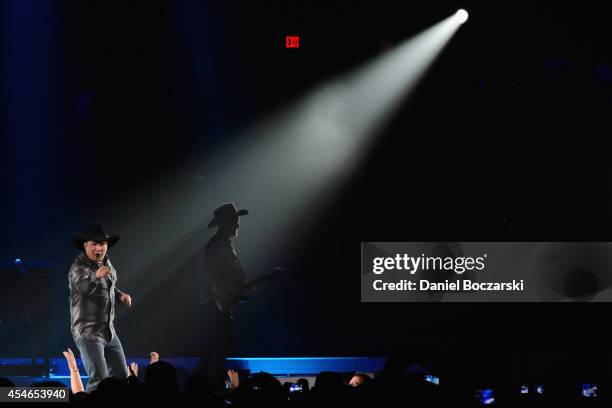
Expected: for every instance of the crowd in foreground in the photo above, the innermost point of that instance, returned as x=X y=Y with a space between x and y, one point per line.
x=394 y=384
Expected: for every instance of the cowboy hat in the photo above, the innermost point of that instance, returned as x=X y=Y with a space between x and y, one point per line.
x=96 y=233
x=225 y=213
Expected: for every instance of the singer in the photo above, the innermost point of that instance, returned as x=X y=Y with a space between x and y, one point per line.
x=92 y=282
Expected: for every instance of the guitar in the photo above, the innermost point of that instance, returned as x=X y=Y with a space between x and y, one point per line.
x=227 y=303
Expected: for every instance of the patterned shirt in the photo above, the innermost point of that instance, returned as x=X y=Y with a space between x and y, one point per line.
x=92 y=300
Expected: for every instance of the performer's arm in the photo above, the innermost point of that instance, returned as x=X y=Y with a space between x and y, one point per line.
x=119 y=294
x=123 y=297
x=227 y=294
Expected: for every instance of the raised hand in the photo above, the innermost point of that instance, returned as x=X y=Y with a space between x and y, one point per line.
x=134 y=369
x=71 y=360
x=153 y=357
x=234 y=381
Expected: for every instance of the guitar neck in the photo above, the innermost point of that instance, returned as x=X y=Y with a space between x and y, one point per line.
x=268 y=277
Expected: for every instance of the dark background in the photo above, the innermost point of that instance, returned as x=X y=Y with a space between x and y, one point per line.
x=505 y=139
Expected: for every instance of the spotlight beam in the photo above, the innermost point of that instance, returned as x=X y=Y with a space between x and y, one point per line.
x=284 y=169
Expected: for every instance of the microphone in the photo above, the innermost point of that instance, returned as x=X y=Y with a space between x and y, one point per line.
x=99 y=262
x=102 y=262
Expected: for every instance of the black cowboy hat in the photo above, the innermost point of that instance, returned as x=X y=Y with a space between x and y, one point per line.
x=96 y=233
x=226 y=213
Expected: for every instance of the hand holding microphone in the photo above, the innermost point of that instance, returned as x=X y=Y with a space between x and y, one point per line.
x=103 y=270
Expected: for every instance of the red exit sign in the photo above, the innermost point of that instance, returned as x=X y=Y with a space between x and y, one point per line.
x=292 y=41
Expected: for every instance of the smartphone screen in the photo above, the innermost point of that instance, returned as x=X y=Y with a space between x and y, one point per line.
x=589 y=390
x=432 y=379
x=485 y=396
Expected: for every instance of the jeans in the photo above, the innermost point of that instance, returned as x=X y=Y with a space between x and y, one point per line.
x=102 y=360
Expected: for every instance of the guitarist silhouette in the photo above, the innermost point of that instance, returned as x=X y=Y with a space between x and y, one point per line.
x=223 y=286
